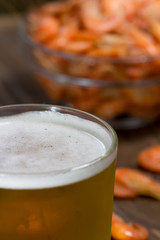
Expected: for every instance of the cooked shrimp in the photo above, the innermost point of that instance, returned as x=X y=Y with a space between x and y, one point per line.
x=95 y=20
x=63 y=38
x=150 y=9
x=47 y=27
x=154 y=28
x=139 y=182
x=123 y=7
x=123 y=231
x=144 y=40
x=121 y=191
x=111 y=108
x=149 y=158
x=78 y=46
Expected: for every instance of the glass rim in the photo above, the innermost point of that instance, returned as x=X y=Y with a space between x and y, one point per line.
x=67 y=110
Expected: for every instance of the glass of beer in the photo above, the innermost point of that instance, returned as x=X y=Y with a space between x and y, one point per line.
x=57 y=167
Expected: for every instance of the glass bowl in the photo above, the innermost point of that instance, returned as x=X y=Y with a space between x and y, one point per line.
x=123 y=91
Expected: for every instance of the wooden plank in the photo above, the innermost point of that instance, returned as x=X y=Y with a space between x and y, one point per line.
x=9 y=20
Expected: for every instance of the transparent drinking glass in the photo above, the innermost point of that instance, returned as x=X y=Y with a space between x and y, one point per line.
x=68 y=204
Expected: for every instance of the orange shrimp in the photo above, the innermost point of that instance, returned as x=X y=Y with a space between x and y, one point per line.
x=47 y=27
x=78 y=46
x=144 y=40
x=112 y=108
x=121 y=191
x=94 y=19
x=120 y=7
x=65 y=33
x=123 y=231
x=139 y=182
x=150 y=9
x=154 y=28
x=149 y=158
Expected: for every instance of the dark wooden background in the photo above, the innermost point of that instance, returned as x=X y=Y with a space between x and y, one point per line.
x=15 y=6
x=17 y=85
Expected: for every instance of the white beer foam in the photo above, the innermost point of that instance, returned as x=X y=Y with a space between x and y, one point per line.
x=39 y=149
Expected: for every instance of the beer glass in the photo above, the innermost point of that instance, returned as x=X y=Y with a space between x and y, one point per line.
x=43 y=196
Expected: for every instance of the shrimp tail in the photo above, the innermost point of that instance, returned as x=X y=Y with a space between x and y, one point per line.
x=122 y=191
x=139 y=182
x=154 y=190
x=127 y=231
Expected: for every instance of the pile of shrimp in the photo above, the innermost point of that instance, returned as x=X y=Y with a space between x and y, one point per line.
x=129 y=183
x=107 y=42
x=117 y=28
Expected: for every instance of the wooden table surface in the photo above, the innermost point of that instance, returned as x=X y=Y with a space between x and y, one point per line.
x=18 y=86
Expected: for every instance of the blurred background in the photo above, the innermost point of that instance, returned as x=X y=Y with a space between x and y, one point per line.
x=16 y=6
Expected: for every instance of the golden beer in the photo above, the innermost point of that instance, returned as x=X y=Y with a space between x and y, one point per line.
x=73 y=203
